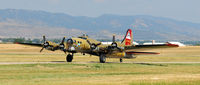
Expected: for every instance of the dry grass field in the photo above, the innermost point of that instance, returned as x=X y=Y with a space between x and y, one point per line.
x=90 y=72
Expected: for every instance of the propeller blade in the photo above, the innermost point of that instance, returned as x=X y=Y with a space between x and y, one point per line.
x=65 y=51
x=42 y=49
x=98 y=44
x=113 y=38
x=89 y=42
x=62 y=45
x=44 y=42
x=63 y=40
x=44 y=39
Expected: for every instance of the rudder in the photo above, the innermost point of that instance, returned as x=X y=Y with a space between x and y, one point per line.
x=128 y=39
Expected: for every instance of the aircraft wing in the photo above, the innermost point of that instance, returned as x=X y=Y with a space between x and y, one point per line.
x=31 y=44
x=149 y=47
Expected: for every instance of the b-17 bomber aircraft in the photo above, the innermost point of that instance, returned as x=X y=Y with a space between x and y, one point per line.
x=86 y=45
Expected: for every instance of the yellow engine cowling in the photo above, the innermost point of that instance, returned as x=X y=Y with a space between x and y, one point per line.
x=52 y=44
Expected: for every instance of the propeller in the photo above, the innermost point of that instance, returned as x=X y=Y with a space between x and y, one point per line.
x=53 y=46
x=113 y=38
x=45 y=44
x=114 y=44
x=62 y=45
x=93 y=45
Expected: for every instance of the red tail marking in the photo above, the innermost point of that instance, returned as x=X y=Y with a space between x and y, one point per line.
x=128 y=37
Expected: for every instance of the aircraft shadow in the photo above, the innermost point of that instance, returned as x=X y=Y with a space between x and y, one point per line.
x=149 y=64
x=58 y=61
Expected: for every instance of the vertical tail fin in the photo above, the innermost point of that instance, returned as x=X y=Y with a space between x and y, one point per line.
x=128 y=39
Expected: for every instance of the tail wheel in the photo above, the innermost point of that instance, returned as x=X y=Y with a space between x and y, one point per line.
x=102 y=58
x=69 y=58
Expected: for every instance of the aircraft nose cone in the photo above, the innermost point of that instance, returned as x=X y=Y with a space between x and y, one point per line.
x=46 y=44
x=69 y=41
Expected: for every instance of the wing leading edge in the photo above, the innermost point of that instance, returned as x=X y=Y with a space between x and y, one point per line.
x=31 y=44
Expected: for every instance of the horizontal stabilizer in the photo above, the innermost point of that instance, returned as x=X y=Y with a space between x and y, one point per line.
x=140 y=53
x=150 y=47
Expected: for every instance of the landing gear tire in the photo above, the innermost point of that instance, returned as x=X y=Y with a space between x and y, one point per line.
x=121 y=60
x=102 y=58
x=69 y=58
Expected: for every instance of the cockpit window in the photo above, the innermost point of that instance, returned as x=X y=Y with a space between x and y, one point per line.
x=83 y=38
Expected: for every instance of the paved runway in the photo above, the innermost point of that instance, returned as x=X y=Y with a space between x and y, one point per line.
x=63 y=62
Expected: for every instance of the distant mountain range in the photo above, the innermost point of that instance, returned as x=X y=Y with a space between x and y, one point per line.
x=34 y=24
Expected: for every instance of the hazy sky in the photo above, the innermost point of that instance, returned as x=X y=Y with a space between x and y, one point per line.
x=187 y=10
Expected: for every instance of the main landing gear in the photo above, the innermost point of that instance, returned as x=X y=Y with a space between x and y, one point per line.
x=121 y=60
x=69 y=58
x=102 y=58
